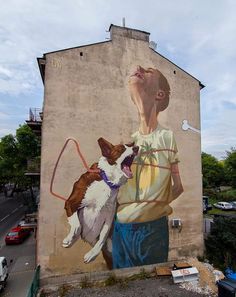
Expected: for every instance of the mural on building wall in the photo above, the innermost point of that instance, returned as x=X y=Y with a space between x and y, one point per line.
x=121 y=205
x=91 y=206
x=141 y=235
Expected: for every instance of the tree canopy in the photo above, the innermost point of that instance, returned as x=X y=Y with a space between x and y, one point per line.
x=221 y=243
x=230 y=167
x=14 y=153
x=212 y=171
x=217 y=173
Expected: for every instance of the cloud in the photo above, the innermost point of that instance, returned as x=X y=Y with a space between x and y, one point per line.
x=5 y=73
x=6 y=131
x=229 y=105
x=218 y=135
x=199 y=38
x=3 y=115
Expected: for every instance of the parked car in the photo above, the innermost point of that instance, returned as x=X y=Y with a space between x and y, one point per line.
x=223 y=205
x=3 y=273
x=29 y=222
x=205 y=204
x=16 y=235
x=233 y=203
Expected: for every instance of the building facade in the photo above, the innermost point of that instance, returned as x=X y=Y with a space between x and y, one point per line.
x=87 y=96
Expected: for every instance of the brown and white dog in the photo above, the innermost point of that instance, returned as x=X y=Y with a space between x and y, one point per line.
x=92 y=204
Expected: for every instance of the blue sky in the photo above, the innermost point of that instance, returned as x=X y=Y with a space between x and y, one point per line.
x=199 y=36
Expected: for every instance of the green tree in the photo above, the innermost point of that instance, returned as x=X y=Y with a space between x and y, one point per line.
x=213 y=171
x=27 y=142
x=14 y=153
x=230 y=167
x=8 y=153
x=221 y=243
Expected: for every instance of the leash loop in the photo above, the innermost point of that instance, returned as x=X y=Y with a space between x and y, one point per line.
x=57 y=162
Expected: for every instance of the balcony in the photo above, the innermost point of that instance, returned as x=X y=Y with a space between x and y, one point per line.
x=35 y=120
x=33 y=167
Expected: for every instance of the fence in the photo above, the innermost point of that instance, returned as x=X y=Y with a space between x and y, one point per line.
x=207 y=225
x=35 y=283
x=35 y=114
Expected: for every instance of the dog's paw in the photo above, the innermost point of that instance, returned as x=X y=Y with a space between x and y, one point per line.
x=66 y=243
x=90 y=256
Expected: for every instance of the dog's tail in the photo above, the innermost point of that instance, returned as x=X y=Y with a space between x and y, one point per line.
x=57 y=162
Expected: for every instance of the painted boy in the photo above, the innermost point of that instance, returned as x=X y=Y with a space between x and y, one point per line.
x=141 y=235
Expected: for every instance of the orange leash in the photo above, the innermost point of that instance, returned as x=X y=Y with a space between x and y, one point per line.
x=57 y=162
x=86 y=165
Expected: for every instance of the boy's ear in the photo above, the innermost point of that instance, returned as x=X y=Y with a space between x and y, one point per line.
x=106 y=147
x=162 y=100
x=160 y=95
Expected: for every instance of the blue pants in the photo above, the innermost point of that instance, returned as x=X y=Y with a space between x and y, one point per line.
x=138 y=244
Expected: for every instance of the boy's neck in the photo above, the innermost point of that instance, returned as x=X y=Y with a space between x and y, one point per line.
x=148 y=121
x=147 y=112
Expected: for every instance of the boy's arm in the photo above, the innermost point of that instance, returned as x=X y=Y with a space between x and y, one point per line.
x=177 y=187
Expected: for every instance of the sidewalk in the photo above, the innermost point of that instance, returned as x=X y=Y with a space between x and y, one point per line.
x=3 y=198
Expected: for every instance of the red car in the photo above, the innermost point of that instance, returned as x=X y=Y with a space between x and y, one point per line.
x=17 y=235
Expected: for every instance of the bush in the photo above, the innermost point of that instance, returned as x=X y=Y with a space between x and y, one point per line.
x=111 y=280
x=212 y=194
x=85 y=283
x=229 y=195
x=221 y=243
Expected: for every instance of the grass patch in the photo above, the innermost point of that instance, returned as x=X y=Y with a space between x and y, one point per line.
x=111 y=280
x=85 y=283
x=216 y=211
x=63 y=290
x=123 y=282
x=114 y=280
x=228 y=196
x=44 y=294
x=143 y=274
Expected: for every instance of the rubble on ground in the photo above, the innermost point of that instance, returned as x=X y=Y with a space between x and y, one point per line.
x=208 y=277
x=156 y=283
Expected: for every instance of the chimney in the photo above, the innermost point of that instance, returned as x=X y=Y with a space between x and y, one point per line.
x=117 y=32
x=123 y=22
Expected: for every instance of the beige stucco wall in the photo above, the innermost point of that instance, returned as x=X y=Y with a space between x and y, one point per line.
x=86 y=97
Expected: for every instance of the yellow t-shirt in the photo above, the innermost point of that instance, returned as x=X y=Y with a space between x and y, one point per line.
x=151 y=178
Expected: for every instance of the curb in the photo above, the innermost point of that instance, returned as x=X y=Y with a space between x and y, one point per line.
x=75 y=279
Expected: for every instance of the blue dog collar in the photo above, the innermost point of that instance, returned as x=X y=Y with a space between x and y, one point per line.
x=109 y=183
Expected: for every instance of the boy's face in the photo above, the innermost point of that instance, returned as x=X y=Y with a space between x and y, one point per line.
x=144 y=82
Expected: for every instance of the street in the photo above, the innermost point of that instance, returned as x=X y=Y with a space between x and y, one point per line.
x=20 y=257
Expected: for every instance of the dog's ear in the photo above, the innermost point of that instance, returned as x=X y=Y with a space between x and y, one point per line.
x=106 y=147
x=130 y=144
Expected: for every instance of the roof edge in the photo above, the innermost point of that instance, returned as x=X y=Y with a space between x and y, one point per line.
x=41 y=62
x=200 y=84
x=70 y=48
x=112 y=25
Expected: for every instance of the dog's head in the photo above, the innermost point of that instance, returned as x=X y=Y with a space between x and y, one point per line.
x=116 y=160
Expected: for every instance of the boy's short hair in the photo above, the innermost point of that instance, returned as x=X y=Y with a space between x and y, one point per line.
x=164 y=86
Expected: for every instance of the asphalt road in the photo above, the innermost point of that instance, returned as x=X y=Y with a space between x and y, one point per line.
x=21 y=258
x=11 y=211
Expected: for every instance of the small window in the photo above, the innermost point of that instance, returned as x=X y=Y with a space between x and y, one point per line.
x=81 y=54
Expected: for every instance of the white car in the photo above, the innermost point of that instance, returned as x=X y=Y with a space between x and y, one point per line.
x=233 y=203
x=223 y=205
